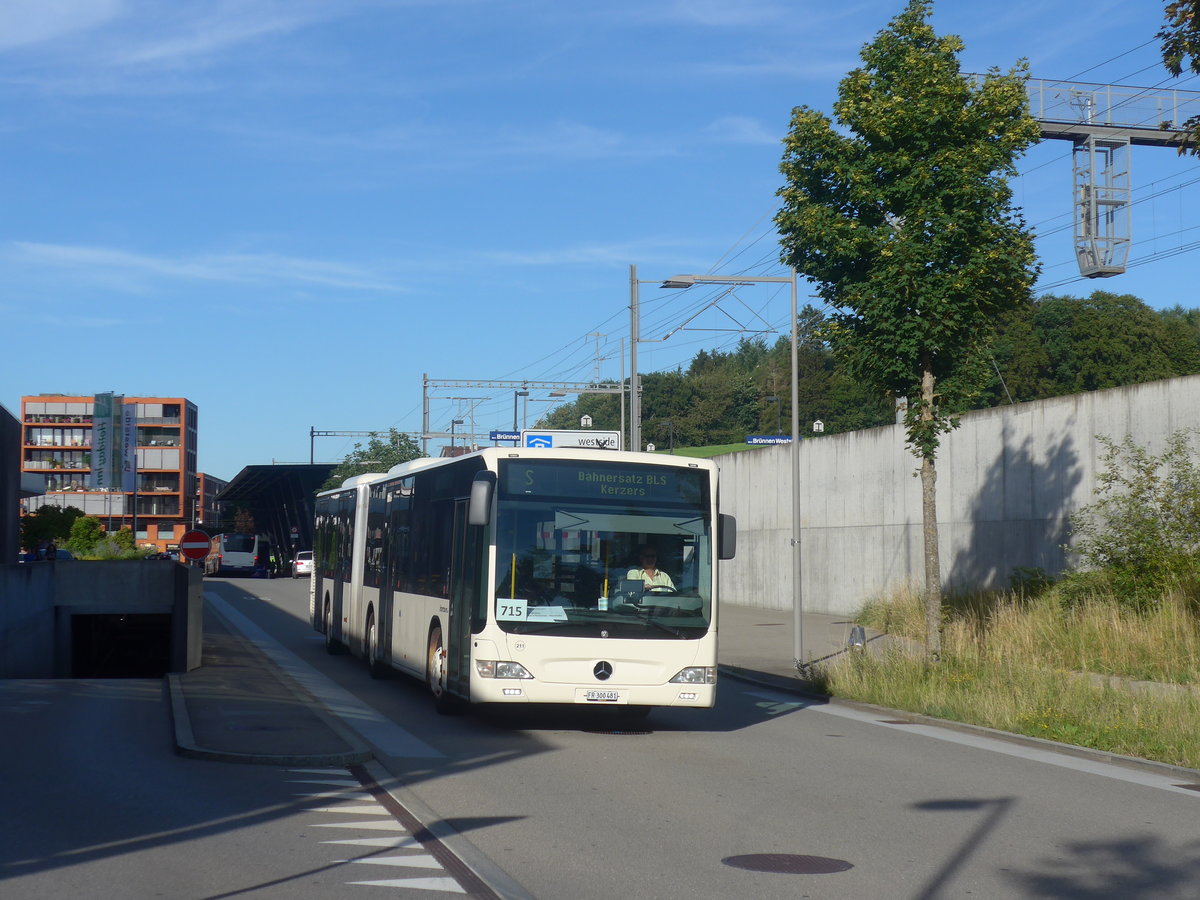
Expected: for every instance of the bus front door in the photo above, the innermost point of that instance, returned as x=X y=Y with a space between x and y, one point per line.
x=466 y=587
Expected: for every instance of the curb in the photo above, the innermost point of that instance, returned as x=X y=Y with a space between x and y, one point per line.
x=805 y=689
x=185 y=741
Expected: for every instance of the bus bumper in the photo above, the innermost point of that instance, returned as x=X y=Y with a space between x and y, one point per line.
x=511 y=690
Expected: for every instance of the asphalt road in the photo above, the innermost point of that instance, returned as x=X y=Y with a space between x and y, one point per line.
x=767 y=795
x=696 y=803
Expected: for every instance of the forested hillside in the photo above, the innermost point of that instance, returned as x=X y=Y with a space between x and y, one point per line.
x=1048 y=348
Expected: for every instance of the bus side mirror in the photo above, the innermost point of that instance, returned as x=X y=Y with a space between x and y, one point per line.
x=483 y=487
x=726 y=536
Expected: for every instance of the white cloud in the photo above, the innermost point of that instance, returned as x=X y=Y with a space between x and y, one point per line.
x=449 y=145
x=740 y=130
x=583 y=254
x=722 y=13
x=27 y=22
x=243 y=268
x=226 y=25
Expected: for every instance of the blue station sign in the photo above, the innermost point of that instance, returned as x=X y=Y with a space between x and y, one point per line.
x=768 y=439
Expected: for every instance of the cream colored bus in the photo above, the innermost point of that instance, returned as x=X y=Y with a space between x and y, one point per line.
x=512 y=576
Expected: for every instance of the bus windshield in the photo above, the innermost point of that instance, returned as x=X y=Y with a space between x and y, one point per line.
x=239 y=543
x=603 y=550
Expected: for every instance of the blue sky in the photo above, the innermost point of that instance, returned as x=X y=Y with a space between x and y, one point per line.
x=289 y=211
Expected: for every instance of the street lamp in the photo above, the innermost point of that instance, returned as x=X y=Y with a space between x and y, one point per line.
x=517 y=394
x=687 y=281
x=453 y=422
x=635 y=337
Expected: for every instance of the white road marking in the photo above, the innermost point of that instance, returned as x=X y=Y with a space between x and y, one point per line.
x=338 y=795
x=449 y=885
x=393 y=843
x=415 y=861
x=336 y=782
x=389 y=825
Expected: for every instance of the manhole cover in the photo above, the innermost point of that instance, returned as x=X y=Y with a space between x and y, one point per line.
x=788 y=863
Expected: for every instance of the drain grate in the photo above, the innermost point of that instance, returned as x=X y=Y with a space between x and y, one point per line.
x=788 y=863
x=614 y=731
x=896 y=722
x=1190 y=787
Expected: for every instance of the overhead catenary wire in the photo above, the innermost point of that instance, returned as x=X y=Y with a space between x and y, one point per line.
x=663 y=314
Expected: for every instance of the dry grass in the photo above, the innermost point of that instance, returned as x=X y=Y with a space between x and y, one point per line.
x=1012 y=663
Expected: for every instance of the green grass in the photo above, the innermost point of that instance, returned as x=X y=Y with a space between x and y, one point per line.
x=1021 y=665
x=709 y=452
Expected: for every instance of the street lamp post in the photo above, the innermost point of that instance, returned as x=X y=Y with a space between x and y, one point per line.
x=517 y=394
x=686 y=281
x=453 y=422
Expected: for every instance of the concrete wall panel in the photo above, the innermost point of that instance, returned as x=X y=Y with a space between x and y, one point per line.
x=1008 y=480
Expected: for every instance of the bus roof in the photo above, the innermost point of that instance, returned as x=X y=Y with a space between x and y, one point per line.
x=491 y=456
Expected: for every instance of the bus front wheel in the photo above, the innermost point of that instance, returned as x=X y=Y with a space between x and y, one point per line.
x=435 y=674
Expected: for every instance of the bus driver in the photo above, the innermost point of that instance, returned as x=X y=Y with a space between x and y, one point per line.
x=648 y=571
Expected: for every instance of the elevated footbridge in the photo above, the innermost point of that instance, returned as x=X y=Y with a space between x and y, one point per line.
x=1103 y=121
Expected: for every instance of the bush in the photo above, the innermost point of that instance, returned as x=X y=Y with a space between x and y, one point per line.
x=1142 y=536
x=1029 y=581
x=112 y=547
x=86 y=533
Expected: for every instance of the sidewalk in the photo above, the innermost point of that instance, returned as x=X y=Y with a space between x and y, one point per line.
x=761 y=643
x=239 y=707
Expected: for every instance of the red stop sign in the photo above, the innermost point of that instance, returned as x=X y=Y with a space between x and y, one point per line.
x=195 y=545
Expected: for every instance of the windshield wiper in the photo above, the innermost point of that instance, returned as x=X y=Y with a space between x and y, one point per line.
x=657 y=624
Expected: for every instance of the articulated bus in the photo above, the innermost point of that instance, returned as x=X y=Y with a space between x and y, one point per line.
x=512 y=576
x=235 y=553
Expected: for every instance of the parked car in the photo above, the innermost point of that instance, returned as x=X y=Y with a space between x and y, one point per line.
x=302 y=564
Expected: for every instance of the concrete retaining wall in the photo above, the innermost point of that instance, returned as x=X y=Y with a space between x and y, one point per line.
x=37 y=601
x=1008 y=480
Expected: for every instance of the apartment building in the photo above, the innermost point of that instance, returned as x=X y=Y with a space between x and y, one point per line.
x=208 y=510
x=57 y=450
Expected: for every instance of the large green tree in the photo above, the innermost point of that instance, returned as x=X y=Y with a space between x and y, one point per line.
x=1180 y=38
x=901 y=213
x=48 y=523
x=380 y=453
x=1064 y=345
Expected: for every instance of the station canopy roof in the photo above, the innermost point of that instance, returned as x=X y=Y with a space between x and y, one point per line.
x=284 y=480
x=281 y=498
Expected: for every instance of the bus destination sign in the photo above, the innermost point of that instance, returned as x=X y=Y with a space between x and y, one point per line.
x=600 y=481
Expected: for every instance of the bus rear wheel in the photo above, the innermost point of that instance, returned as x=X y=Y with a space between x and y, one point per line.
x=332 y=646
x=435 y=675
x=375 y=667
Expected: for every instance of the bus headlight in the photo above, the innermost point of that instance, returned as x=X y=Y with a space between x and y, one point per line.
x=696 y=675
x=499 y=668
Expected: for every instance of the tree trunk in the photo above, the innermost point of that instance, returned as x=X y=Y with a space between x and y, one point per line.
x=929 y=528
